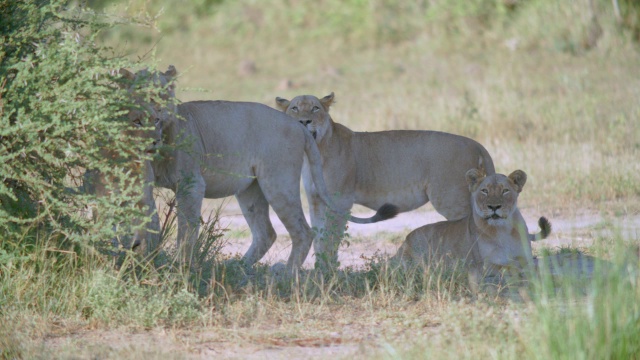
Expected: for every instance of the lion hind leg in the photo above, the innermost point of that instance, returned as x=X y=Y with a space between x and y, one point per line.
x=450 y=200
x=255 y=209
x=301 y=236
x=287 y=205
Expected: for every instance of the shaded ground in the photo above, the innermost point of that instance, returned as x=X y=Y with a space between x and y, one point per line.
x=345 y=334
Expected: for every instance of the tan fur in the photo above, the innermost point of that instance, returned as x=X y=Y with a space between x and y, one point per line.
x=490 y=238
x=222 y=148
x=403 y=168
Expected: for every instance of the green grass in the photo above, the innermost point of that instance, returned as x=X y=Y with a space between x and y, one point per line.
x=418 y=311
x=598 y=321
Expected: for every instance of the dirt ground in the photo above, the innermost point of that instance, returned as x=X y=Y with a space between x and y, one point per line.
x=182 y=344
x=578 y=230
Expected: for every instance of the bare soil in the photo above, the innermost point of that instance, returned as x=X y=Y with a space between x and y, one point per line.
x=573 y=230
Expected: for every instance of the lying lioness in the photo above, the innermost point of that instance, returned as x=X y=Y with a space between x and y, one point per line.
x=487 y=240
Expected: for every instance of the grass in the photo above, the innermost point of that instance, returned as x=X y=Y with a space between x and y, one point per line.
x=518 y=82
x=598 y=321
x=407 y=313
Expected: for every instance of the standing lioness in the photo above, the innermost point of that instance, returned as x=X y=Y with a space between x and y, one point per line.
x=404 y=168
x=222 y=148
x=490 y=238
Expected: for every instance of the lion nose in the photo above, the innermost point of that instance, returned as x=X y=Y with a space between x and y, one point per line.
x=305 y=122
x=494 y=207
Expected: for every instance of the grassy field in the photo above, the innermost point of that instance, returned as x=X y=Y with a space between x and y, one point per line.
x=520 y=81
x=535 y=84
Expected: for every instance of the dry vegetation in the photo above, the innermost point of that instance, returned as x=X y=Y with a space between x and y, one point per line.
x=526 y=82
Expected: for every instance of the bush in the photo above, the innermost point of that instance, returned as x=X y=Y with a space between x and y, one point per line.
x=60 y=109
x=628 y=16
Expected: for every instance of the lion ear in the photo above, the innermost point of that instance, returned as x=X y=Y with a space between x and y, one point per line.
x=127 y=75
x=282 y=104
x=327 y=101
x=474 y=178
x=519 y=178
x=171 y=72
x=169 y=76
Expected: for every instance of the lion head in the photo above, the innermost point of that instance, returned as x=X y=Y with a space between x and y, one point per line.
x=504 y=236
x=310 y=111
x=154 y=97
x=495 y=197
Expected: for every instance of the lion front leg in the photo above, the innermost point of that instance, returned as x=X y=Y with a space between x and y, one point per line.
x=189 y=196
x=330 y=231
x=149 y=237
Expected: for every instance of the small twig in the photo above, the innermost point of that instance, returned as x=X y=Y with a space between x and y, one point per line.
x=144 y=56
x=616 y=11
x=172 y=205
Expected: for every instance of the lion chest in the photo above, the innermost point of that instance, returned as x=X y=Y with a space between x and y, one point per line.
x=499 y=246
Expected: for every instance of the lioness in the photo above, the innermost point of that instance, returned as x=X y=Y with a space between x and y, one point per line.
x=221 y=148
x=145 y=239
x=490 y=238
x=404 y=168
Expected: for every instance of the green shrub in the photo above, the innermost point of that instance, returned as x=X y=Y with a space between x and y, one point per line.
x=628 y=16
x=60 y=109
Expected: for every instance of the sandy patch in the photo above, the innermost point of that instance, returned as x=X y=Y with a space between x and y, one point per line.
x=577 y=230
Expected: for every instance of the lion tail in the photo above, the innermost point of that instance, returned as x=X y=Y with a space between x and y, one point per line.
x=315 y=165
x=545 y=230
x=386 y=211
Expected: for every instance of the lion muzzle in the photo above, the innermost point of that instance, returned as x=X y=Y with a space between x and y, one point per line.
x=154 y=146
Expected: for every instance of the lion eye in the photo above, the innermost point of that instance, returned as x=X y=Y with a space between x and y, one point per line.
x=137 y=122
x=157 y=121
x=505 y=191
x=315 y=109
x=294 y=109
x=484 y=191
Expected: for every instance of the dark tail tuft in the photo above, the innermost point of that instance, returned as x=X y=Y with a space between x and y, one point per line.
x=545 y=227
x=386 y=212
